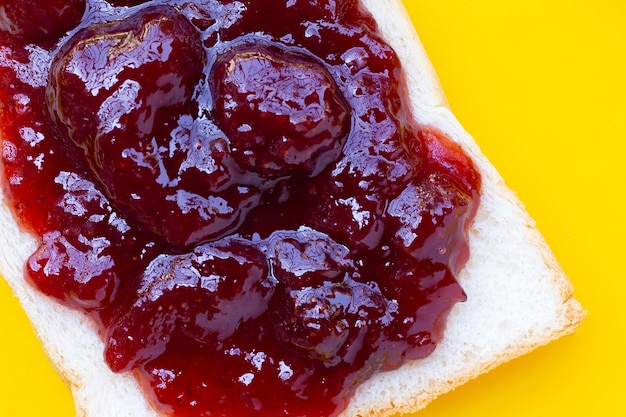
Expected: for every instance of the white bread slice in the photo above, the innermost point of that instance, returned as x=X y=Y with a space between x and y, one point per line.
x=518 y=296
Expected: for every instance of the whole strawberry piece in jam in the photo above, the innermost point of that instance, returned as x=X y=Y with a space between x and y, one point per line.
x=41 y=21
x=322 y=312
x=306 y=257
x=115 y=82
x=281 y=111
x=77 y=263
x=204 y=295
x=332 y=322
x=429 y=220
x=417 y=327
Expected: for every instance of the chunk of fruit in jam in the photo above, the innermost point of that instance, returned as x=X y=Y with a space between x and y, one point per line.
x=321 y=309
x=75 y=269
x=78 y=266
x=426 y=218
x=114 y=81
x=417 y=326
x=281 y=110
x=331 y=322
x=204 y=295
x=305 y=257
x=356 y=217
x=447 y=157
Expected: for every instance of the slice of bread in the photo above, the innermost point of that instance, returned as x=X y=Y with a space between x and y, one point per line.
x=518 y=296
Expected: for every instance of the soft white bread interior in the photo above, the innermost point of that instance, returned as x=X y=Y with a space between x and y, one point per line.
x=518 y=296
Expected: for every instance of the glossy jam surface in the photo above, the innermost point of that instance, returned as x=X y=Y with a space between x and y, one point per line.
x=235 y=192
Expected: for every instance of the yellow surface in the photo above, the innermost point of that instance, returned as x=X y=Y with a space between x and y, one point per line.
x=542 y=87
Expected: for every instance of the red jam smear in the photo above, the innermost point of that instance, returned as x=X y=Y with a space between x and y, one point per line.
x=235 y=193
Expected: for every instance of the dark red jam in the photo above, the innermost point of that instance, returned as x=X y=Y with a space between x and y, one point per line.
x=235 y=192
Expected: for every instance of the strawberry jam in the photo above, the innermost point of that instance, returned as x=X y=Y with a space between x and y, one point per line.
x=235 y=192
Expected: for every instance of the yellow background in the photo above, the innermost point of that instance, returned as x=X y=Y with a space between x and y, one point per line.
x=541 y=85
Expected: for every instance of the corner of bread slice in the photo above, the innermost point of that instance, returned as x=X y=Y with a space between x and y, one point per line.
x=518 y=297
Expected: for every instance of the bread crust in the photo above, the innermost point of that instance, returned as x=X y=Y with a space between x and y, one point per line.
x=509 y=257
